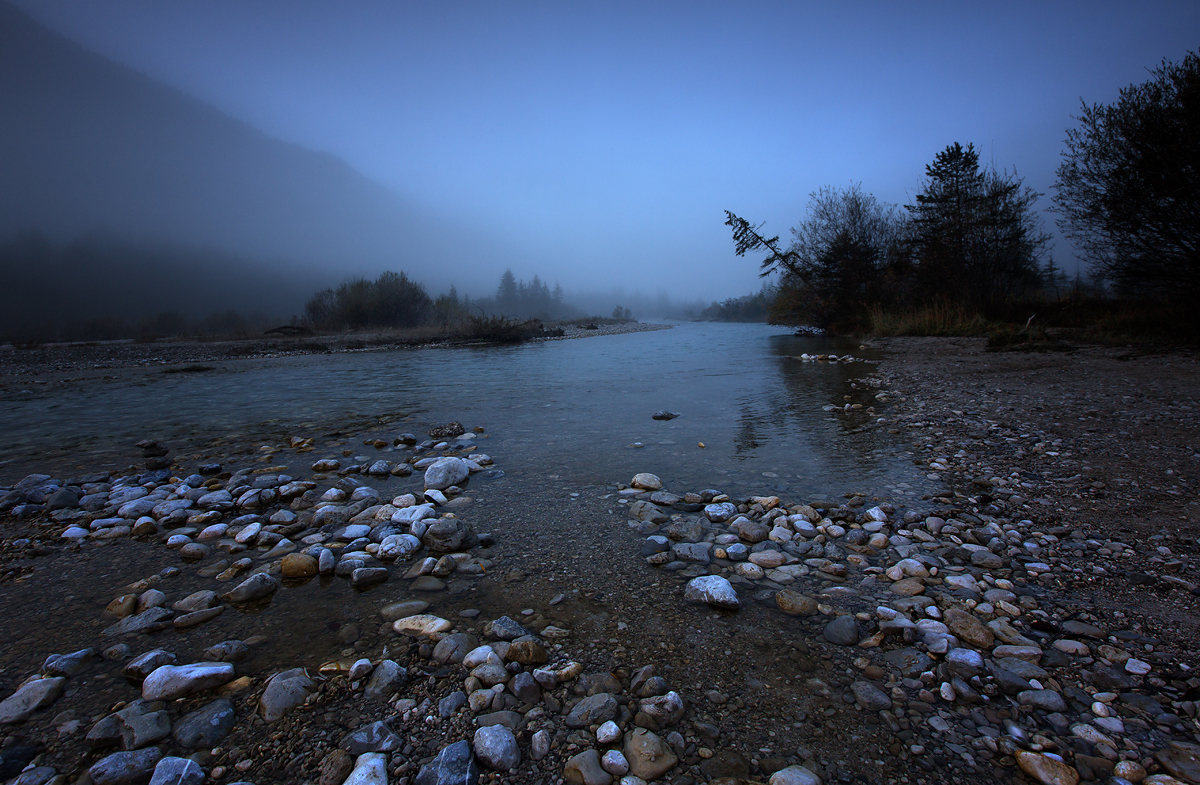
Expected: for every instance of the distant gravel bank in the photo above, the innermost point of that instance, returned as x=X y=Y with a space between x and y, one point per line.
x=76 y=358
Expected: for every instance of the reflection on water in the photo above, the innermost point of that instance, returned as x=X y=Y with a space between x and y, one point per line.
x=571 y=408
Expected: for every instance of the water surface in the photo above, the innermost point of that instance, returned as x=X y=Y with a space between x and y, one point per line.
x=569 y=408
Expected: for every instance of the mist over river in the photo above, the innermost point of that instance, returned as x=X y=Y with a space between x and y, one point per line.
x=571 y=409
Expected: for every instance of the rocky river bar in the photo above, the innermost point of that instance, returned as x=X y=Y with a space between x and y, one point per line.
x=262 y=613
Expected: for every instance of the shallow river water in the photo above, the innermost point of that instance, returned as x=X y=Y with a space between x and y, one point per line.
x=571 y=408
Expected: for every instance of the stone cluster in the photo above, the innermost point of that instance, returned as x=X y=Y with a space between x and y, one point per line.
x=960 y=645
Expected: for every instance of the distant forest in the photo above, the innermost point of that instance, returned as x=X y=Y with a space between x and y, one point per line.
x=394 y=300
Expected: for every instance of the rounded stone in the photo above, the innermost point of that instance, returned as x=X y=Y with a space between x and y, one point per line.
x=496 y=748
x=646 y=482
x=794 y=603
x=298 y=565
x=842 y=631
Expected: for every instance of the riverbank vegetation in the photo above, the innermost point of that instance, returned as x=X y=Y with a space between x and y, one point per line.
x=969 y=255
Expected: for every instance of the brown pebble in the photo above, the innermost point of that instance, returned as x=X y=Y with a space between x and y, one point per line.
x=335 y=767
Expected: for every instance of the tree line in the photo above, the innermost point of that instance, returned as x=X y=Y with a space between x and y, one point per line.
x=971 y=236
x=1127 y=194
x=393 y=300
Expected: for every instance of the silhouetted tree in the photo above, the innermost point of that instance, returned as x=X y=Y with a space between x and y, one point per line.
x=392 y=300
x=844 y=257
x=749 y=308
x=507 y=293
x=1128 y=189
x=975 y=236
x=848 y=255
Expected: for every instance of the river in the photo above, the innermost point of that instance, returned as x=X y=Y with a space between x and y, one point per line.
x=574 y=409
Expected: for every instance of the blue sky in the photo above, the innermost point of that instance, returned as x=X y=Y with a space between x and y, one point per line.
x=597 y=144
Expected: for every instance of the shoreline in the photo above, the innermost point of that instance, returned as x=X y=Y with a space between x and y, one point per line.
x=944 y=393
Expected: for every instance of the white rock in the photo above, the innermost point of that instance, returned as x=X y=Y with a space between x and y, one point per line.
x=646 y=481
x=614 y=763
x=177 y=681
x=794 y=775
x=480 y=656
x=1137 y=667
x=398 y=546
x=421 y=624
x=414 y=513
x=446 y=472
x=608 y=733
x=711 y=589
x=369 y=769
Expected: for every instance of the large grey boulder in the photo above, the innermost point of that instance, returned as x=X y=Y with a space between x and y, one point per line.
x=445 y=472
x=178 y=681
x=712 y=590
x=496 y=747
x=32 y=696
x=285 y=691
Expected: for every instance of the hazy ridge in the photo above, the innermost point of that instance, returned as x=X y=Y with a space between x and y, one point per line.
x=90 y=147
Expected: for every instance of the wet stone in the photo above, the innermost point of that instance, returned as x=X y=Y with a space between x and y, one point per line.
x=125 y=768
x=842 y=631
x=177 y=771
x=376 y=737
x=1045 y=769
x=454 y=765
x=584 y=769
x=34 y=695
x=592 y=710
x=205 y=726
x=795 y=604
x=496 y=748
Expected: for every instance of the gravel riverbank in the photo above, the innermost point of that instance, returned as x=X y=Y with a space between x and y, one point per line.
x=49 y=363
x=1032 y=619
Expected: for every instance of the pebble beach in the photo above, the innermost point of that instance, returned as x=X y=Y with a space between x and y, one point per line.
x=1030 y=617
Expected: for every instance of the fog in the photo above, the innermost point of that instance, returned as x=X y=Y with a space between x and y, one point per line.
x=91 y=147
x=295 y=144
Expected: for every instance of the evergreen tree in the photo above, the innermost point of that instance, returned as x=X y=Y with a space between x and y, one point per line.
x=975 y=235
x=507 y=296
